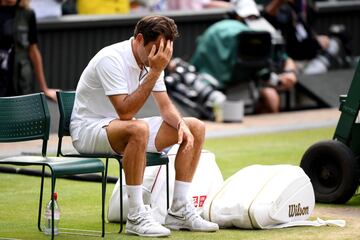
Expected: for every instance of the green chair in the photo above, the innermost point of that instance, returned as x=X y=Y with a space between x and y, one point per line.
x=25 y=118
x=66 y=102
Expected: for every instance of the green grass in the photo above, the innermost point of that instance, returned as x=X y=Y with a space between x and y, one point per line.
x=235 y=153
x=80 y=201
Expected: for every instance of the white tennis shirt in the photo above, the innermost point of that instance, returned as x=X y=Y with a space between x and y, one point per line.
x=113 y=70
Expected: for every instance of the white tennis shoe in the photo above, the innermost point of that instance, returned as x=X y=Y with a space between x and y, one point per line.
x=186 y=218
x=143 y=224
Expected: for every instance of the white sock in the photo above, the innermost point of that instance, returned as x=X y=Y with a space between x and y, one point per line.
x=134 y=193
x=317 y=65
x=333 y=47
x=180 y=197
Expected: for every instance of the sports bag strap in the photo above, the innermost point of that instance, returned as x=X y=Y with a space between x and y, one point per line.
x=316 y=223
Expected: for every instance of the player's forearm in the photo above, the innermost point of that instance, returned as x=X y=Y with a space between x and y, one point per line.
x=171 y=115
x=134 y=102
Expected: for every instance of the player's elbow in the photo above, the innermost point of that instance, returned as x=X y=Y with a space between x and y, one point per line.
x=125 y=115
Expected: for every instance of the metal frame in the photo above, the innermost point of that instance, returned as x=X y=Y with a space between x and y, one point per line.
x=53 y=163
x=347 y=127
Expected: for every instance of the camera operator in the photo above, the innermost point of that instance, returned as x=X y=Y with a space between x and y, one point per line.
x=317 y=53
x=273 y=84
x=216 y=54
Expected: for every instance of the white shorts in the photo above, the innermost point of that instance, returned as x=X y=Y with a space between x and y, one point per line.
x=93 y=138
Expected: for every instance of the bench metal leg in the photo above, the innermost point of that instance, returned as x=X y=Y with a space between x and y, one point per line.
x=121 y=197
x=41 y=197
x=103 y=191
x=167 y=187
x=52 y=204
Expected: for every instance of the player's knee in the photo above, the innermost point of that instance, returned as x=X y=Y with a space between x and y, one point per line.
x=139 y=131
x=197 y=127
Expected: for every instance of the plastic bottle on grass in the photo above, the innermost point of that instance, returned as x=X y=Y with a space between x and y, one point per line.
x=47 y=217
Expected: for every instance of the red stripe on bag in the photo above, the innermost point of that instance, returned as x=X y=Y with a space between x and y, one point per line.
x=157 y=175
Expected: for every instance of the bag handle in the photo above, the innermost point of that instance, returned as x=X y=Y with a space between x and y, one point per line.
x=316 y=223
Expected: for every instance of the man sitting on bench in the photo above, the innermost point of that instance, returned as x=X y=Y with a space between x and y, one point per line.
x=112 y=89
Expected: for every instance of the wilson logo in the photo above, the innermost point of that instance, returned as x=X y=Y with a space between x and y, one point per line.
x=297 y=210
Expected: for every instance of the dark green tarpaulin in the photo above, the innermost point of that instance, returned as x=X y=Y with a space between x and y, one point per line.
x=216 y=51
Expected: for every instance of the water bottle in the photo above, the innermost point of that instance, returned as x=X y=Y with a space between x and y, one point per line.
x=216 y=100
x=47 y=217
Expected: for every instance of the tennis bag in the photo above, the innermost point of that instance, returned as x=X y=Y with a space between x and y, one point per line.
x=260 y=197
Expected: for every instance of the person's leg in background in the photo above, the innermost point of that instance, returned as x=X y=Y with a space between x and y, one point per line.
x=269 y=101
